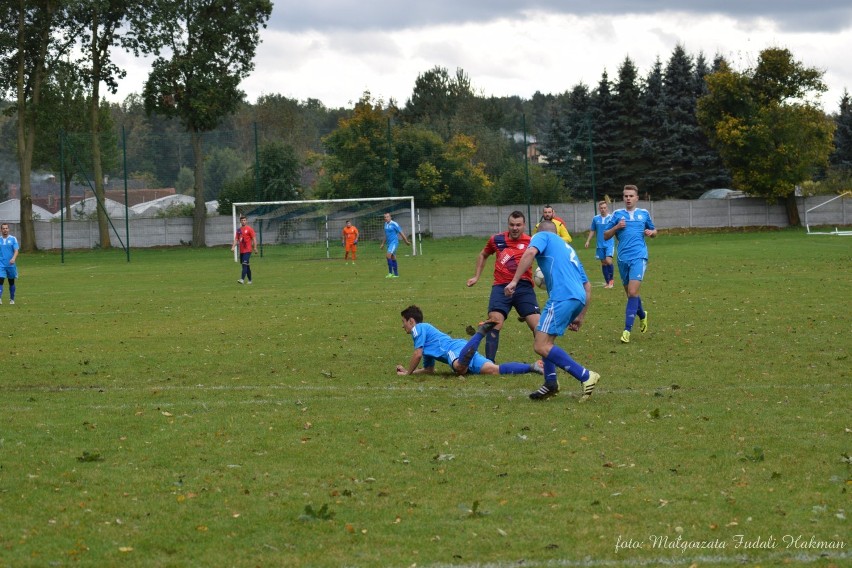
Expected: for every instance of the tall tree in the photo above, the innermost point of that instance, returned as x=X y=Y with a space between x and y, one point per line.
x=356 y=164
x=604 y=136
x=65 y=139
x=766 y=129
x=841 y=158
x=210 y=46
x=653 y=115
x=436 y=99
x=34 y=33
x=681 y=127
x=627 y=142
x=100 y=22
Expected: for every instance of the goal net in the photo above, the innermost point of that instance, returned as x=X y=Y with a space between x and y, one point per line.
x=312 y=230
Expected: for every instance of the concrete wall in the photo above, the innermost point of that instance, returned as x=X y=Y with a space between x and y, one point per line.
x=443 y=222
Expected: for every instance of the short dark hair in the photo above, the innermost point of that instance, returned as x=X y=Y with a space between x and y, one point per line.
x=517 y=215
x=547 y=226
x=412 y=312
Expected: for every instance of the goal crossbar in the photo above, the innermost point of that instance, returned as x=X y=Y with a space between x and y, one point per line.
x=836 y=231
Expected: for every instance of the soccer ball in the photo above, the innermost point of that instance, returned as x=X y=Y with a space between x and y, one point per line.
x=538 y=278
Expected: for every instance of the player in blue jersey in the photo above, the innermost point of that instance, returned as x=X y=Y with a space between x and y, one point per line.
x=8 y=256
x=630 y=226
x=568 y=297
x=392 y=233
x=432 y=344
x=603 y=247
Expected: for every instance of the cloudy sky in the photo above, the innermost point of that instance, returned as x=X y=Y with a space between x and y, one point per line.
x=334 y=50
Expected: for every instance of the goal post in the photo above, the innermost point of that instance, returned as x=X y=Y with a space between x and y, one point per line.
x=311 y=229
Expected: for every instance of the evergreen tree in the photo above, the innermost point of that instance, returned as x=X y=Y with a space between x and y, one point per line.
x=627 y=138
x=841 y=158
x=652 y=129
x=683 y=136
x=604 y=128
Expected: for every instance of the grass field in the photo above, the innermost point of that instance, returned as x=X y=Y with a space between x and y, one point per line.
x=156 y=413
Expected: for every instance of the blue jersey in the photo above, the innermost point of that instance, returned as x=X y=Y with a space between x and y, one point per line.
x=8 y=246
x=438 y=346
x=631 y=239
x=392 y=230
x=563 y=272
x=599 y=226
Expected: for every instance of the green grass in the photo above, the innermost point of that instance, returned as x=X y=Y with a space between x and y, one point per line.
x=155 y=413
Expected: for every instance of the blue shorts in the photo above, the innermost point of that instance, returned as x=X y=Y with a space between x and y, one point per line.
x=244 y=257
x=9 y=272
x=475 y=364
x=557 y=316
x=602 y=253
x=632 y=269
x=392 y=247
x=523 y=300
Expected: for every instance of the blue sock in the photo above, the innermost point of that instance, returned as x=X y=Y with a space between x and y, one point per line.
x=12 y=291
x=395 y=267
x=492 y=340
x=549 y=372
x=390 y=266
x=610 y=272
x=561 y=359
x=639 y=311
x=248 y=272
x=630 y=312
x=605 y=270
x=469 y=349
x=515 y=368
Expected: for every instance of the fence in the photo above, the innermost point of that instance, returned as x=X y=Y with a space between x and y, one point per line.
x=443 y=222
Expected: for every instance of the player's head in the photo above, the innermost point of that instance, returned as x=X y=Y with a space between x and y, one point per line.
x=387 y=217
x=411 y=316
x=547 y=213
x=603 y=208
x=243 y=220
x=4 y=228
x=630 y=196
x=348 y=223
x=517 y=222
x=547 y=227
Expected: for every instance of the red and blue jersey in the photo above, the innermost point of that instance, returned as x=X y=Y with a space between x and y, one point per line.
x=509 y=252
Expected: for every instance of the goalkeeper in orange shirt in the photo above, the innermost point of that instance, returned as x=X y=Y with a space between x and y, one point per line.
x=350 y=241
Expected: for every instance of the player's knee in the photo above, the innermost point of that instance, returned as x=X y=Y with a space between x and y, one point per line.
x=11 y=282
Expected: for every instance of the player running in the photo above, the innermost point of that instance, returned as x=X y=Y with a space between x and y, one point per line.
x=568 y=297
x=630 y=226
x=603 y=247
x=508 y=247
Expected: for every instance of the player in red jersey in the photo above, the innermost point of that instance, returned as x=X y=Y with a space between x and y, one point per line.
x=247 y=241
x=509 y=248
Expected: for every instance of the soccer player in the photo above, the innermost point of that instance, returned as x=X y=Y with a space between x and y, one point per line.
x=247 y=241
x=432 y=344
x=568 y=297
x=603 y=247
x=509 y=247
x=630 y=226
x=8 y=256
x=548 y=214
x=350 y=241
x=392 y=233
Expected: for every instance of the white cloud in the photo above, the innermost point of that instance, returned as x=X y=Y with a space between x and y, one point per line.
x=519 y=53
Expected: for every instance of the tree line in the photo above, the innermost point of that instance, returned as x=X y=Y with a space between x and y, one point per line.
x=687 y=126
